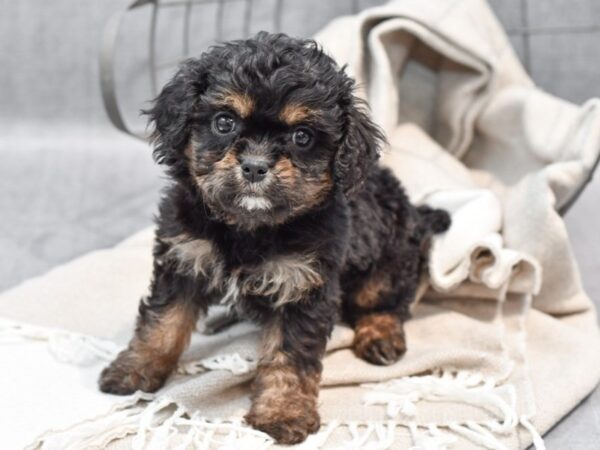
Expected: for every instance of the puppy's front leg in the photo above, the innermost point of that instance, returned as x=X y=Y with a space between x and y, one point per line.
x=164 y=325
x=286 y=386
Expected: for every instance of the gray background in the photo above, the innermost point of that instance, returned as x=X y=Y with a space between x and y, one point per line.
x=70 y=183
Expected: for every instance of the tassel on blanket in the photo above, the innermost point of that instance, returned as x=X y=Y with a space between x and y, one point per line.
x=376 y=436
x=538 y=442
x=161 y=423
x=401 y=395
x=430 y=439
x=232 y=362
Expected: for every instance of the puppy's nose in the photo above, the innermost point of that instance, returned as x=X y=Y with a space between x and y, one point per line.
x=254 y=170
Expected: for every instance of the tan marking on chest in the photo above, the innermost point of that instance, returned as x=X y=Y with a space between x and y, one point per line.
x=197 y=257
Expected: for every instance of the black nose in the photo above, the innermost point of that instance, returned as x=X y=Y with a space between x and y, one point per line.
x=254 y=170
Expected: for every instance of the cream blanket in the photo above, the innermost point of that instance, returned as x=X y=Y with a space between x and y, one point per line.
x=504 y=341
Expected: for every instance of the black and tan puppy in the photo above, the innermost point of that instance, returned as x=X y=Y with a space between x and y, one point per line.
x=278 y=210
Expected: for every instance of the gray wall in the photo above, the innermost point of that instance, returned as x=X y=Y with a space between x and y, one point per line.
x=558 y=42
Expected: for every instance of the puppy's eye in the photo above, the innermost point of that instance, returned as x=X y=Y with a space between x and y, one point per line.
x=302 y=137
x=224 y=123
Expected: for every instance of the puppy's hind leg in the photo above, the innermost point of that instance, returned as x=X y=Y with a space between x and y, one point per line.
x=165 y=323
x=377 y=312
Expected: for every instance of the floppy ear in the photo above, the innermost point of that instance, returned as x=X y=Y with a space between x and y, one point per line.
x=360 y=146
x=172 y=110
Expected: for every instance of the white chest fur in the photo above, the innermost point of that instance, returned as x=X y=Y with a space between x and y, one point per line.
x=284 y=278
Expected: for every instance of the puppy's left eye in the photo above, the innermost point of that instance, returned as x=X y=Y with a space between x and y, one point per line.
x=302 y=137
x=224 y=123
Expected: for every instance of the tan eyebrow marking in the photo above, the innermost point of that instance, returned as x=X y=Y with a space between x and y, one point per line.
x=241 y=103
x=293 y=113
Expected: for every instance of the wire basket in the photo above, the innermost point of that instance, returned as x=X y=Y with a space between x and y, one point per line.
x=218 y=25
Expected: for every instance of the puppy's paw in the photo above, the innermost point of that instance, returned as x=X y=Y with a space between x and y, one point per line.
x=287 y=423
x=382 y=352
x=122 y=377
x=379 y=339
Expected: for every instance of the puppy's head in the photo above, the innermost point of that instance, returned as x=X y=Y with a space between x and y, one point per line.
x=264 y=129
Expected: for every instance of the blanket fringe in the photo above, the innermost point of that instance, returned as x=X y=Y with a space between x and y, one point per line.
x=83 y=350
x=538 y=442
x=432 y=438
x=65 y=346
x=164 y=424
x=232 y=362
x=95 y=433
x=162 y=421
x=401 y=395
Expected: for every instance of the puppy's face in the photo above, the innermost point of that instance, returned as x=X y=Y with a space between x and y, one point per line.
x=265 y=130
x=260 y=160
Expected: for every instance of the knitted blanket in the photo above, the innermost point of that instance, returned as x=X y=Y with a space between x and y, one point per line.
x=503 y=341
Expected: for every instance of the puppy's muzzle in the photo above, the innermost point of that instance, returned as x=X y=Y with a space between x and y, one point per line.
x=254 y=169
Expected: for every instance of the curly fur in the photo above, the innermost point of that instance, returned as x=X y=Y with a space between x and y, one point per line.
x=325 y=232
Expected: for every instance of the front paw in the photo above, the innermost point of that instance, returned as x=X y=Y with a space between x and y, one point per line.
x=289 y=420
x=124 y=377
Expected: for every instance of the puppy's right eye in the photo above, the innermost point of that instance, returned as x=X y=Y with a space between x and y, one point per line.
x=224 y=123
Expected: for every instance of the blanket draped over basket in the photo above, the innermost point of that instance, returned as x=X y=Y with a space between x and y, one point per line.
x=503 y=341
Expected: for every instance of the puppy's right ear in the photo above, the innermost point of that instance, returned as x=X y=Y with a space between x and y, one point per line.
x=170 y=116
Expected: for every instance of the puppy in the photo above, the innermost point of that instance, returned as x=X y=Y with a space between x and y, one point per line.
x=277 y=209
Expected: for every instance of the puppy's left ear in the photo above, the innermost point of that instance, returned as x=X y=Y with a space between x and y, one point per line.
x=360 y=146
x=172 y=110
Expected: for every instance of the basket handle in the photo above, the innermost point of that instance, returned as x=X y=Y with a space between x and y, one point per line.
x=108 y=48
